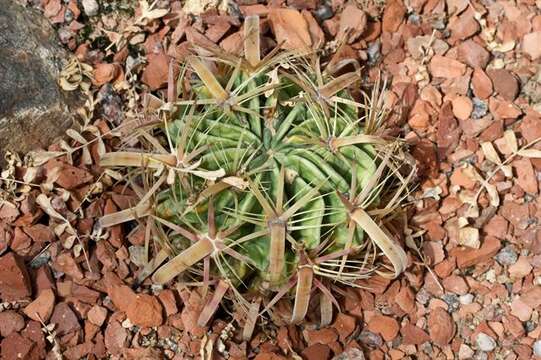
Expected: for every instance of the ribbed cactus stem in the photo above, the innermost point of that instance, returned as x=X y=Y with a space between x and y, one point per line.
x=267 y=181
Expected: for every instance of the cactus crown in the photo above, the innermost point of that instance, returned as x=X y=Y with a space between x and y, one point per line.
x=271 y=183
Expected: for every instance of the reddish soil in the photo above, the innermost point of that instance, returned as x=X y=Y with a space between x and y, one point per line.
x=465 y=86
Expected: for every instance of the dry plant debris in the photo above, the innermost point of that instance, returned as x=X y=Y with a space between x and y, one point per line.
x=464 y=92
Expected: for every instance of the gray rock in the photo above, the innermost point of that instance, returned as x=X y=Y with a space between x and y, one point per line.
x=452 y=301
x=427 y=348
x=33 y=109
x=484 y=342
x=530 y=326
x=423 y=296
x=373 y=52
x=480 y=108
x=110 y=104
x=370 y=339
x=507 y=256
x=323 y=12
x=414 y=18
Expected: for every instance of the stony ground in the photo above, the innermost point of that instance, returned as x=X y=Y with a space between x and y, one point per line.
x=464 y=83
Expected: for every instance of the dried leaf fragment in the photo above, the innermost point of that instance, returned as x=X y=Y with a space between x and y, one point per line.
x=530 y=153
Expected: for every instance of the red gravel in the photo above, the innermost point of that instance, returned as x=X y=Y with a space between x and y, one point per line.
x=463 y=75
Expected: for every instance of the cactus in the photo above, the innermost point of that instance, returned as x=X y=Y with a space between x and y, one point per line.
x=270 y=182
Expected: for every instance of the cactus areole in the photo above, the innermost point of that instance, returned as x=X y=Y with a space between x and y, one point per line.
x=270 y=184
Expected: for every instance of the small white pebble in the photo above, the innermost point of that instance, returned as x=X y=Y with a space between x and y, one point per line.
x=491 y=276
x=91 y=7
x=466 y=299
x=485 y=342
x=465 y=352
x=537 y=348
x=126 y=324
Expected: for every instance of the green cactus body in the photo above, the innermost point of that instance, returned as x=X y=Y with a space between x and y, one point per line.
x=273 y=183
x=245 y=147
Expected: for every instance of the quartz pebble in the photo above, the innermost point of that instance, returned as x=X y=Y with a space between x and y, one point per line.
x=537 y=348
x=91 y=7
x=466 y=299
x=465 y=352
x=485 y=342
